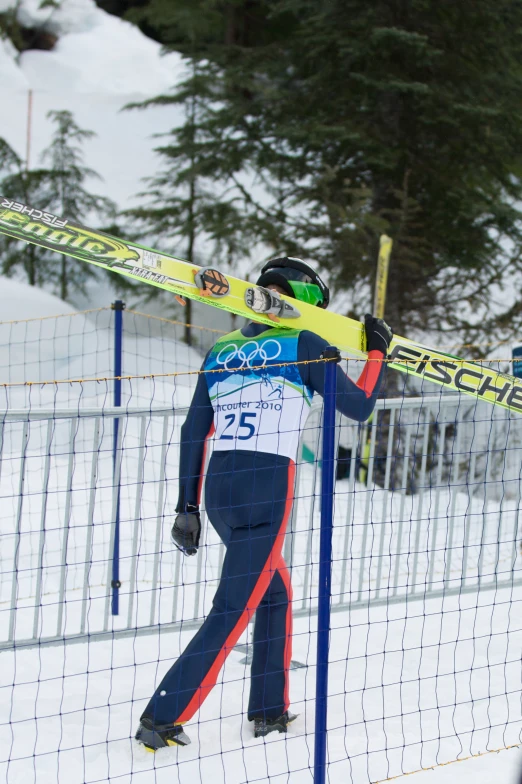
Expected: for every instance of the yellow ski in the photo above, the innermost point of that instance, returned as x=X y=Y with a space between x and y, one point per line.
x=221 y=290
x=381 y=279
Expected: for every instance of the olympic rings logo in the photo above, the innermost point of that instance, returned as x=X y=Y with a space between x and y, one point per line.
x=248 y=353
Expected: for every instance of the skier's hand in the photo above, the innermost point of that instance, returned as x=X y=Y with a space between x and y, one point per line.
x=378 y=334
x=187 y=530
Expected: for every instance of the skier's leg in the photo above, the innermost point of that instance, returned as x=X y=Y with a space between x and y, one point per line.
x=272 y=649
x=252 y=557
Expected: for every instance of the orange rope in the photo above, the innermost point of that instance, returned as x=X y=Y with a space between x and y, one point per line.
x=175 y=374
x=61 y=315
x=154 y=375
x=450 y=762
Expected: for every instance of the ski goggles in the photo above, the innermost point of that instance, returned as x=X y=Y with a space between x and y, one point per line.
x=307 y=292
x=303 y=284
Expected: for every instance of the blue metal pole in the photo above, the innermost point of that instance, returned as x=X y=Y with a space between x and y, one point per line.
x=118 y=306
x=325 y=562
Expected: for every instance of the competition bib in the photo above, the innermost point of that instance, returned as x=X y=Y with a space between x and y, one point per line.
x=260 y=402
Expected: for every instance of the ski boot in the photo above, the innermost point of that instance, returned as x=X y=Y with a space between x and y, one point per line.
x=159 y=736
x=263 y=726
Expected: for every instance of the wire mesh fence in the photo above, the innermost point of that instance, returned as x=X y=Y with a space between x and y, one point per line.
x=425 y=641
x=81 y=345
x=96 y=603
x=440 y=520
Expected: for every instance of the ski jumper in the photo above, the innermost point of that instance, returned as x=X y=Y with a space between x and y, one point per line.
x=254 y=409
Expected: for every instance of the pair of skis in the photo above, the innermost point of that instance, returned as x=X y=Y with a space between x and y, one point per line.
x=211 y=286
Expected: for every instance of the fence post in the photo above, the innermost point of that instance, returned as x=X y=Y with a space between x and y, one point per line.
x=118 y=307
x=325 y=562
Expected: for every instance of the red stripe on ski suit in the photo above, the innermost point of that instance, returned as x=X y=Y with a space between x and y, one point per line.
x=285 y=576
x=370 y=375
x=272 y=564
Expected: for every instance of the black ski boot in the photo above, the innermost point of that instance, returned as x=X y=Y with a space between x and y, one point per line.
x=263 y=726
x=159 y=736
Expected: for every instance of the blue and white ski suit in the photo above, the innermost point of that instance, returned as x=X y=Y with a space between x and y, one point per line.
x=252 y=402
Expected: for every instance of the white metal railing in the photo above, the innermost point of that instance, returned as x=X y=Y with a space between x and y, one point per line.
x=428 y=506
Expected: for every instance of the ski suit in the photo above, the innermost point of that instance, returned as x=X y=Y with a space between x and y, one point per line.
x=254 y=409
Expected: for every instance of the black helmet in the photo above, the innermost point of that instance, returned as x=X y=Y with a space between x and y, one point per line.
x=297 y=279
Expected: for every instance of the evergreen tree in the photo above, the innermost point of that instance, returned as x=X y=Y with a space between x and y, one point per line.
x=363 y=117
x=68 y=196
x=59 y=189
x=192 y=205
x=35 y=264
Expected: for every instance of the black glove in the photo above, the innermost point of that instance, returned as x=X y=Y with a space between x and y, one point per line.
x=187 y=530
x=378 y=334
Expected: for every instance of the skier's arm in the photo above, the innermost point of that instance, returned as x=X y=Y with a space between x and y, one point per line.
x=355 y=400
x=194 y=431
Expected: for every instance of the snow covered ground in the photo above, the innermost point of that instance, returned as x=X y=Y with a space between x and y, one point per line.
x=412 y=684
x=404 y=682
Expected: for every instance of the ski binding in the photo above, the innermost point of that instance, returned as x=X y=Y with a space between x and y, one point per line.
x=269 y=303
x=211 y=282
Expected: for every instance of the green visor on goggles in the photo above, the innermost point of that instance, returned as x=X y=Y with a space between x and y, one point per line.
x=307 y=292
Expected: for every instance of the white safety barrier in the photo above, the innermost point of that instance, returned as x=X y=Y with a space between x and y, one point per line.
x=427 y=505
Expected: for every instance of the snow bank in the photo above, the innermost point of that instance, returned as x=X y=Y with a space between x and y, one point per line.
x=399 y=690
x=43 y=339
x=12 y=74
x=99 y=64
x=96 y=52
x=18 y=301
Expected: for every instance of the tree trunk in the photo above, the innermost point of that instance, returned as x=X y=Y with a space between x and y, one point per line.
x=32 y=266
x=63 y=279
x=187 y=312
x=191 y=231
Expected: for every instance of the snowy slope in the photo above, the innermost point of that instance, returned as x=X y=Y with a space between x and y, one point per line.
x=20 y=301
x=412 y=684
x=43 y=339
x=99 y=64
x=72 y=715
